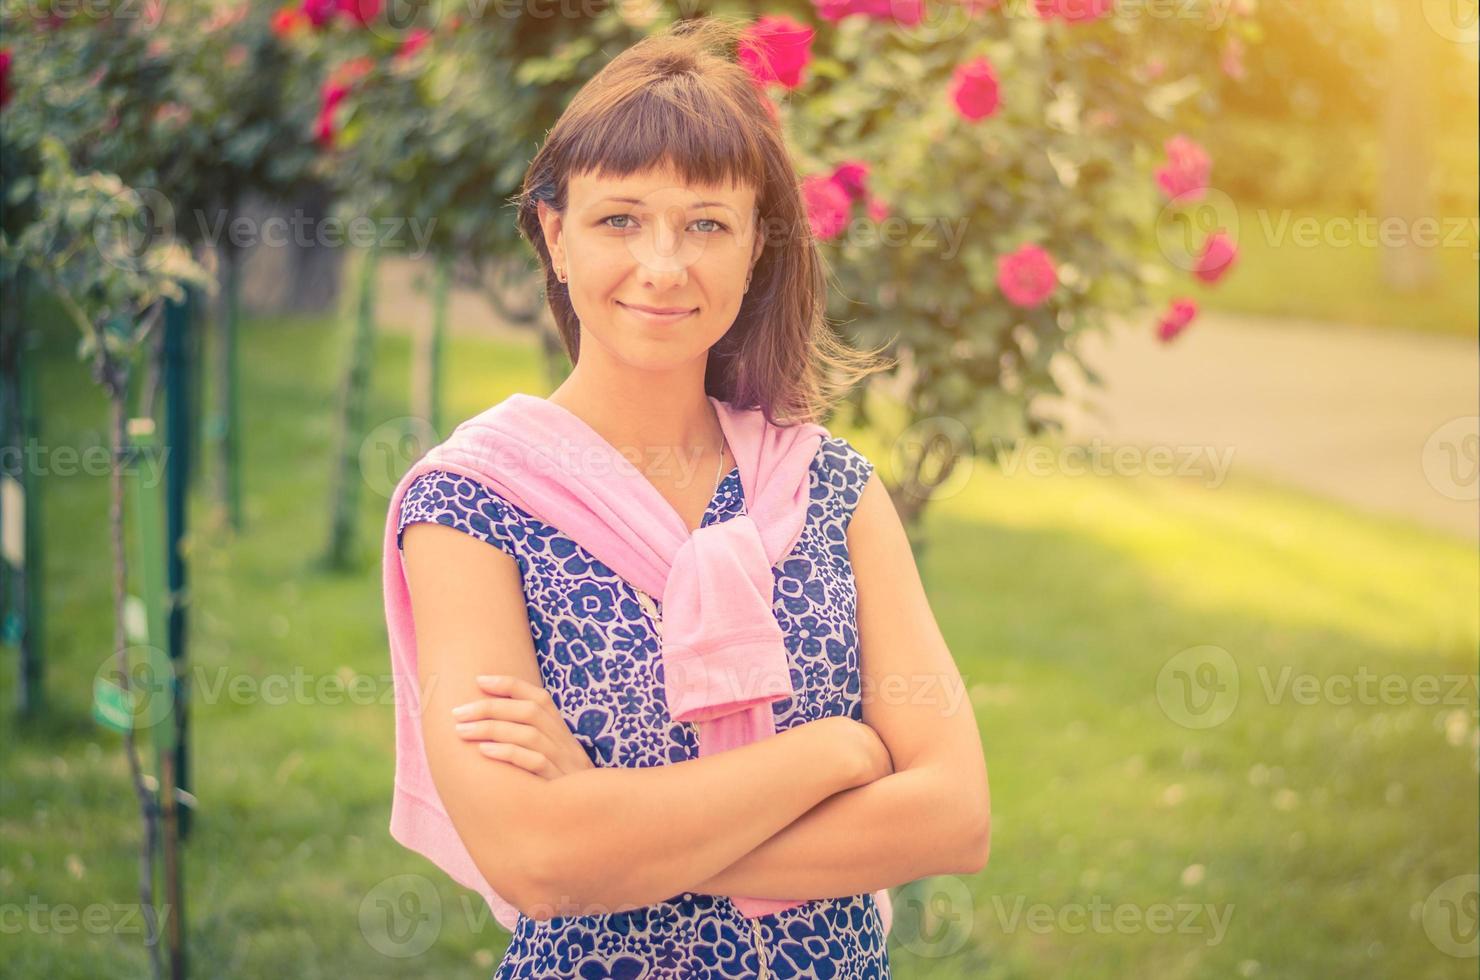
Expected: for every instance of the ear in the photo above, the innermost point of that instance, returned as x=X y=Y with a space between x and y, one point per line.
x=552 y=223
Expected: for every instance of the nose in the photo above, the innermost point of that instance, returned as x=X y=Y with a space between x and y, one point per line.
x=665 y=251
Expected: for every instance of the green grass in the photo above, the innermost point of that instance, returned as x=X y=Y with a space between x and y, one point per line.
x=1323 y=827
x=1293 y=262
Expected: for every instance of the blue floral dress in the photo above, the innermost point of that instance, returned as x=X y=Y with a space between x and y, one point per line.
x=598 y=650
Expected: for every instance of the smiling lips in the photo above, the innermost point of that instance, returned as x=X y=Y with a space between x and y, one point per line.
x=656 y=314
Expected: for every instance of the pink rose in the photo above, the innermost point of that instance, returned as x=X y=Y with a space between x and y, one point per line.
x=777 y=49
x=1027 y=277
x=361 y=12
x=324 y=130
x=414 y=42
x=330 y=96
x=907 y=12
x=4 y=76
x=852 y=176
x=335 y=89
x=974 y=89
x=1073 y=11
x=1178 y=315
x=288 y=21
x=1218 y=255
x=828 y=206
x=878 y=208
x=1184 y=177
x=319 y=12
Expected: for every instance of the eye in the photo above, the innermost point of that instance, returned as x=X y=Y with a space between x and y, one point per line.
x=719 y=226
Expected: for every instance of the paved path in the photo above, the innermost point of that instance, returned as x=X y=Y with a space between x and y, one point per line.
x=1383 y=419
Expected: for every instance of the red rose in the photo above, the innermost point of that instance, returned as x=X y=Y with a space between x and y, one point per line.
x=414 y=42
x=319 y=12
x=288 y=21
x=4 y=76
x=1178 y=315
x=1185 y=175
x=1027 y=277
x=907 y=12
x=828 y=206
x=974 y=90
x=852 y=176
x=777 y=49
x=1073 y=11
x=1218 y=255
x=361 y=12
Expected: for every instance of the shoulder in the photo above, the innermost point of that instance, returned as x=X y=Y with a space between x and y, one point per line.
x=875 y=532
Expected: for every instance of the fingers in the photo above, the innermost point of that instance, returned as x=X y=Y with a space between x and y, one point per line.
x=519 y=723
x=502 y=731
x=527 y=759
x=507 y=708
x=516 y=687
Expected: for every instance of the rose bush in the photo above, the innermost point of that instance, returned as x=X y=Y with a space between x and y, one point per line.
x=1006 y=166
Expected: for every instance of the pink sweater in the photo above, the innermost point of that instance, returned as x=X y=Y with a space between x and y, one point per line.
x=724 y=657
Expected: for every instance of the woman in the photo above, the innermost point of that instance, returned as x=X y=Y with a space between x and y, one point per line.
x=680 y=266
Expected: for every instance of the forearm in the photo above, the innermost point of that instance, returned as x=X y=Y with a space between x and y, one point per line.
x=894 y=830
x=622 y=838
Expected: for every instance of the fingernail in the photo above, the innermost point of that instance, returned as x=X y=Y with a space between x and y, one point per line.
x=463 y=727
x=489 y=678
x=462 y=711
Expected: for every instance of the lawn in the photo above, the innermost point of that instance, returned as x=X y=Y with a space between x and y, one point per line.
x=1301 y=836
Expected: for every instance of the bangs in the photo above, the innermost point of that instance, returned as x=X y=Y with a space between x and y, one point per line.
x=671 y=123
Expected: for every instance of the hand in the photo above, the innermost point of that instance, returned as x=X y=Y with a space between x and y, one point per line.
x=860 y=750
x=880 y=762
x=518 y=723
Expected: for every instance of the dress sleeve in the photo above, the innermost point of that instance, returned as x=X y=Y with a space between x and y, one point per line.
x=843 y=472
x=439 y=497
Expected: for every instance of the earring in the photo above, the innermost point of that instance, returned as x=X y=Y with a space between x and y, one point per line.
x=560 y=274
x=747 y=283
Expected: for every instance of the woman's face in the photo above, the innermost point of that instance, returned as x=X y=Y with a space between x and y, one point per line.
x=656 y=268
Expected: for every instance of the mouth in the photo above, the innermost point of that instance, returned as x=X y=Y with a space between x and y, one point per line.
x=657 y=314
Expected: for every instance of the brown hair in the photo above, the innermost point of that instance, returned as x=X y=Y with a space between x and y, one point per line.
x=680 y=100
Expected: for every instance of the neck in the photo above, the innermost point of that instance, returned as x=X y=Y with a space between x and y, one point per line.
x=643 y=411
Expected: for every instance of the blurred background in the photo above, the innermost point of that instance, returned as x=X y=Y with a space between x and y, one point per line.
x=1184 y=430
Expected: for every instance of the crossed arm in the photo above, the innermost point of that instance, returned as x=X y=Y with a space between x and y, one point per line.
x=828 y=822
x=932 y=815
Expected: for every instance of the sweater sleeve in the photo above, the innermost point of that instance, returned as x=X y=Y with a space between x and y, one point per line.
x=439 y=497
